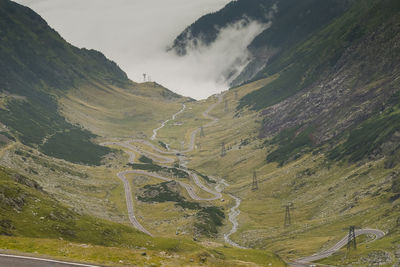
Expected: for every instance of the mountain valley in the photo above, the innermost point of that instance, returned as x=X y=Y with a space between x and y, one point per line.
x=99 y=169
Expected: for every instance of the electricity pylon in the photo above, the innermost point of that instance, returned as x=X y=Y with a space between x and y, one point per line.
x=223 y=150
x=288 y=218
x=351 y=243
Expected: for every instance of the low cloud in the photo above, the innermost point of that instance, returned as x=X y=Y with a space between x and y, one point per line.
x=136 y=33
x=206 y=70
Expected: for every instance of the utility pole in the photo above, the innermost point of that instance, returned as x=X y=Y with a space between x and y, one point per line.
x=254 y=187
x=223 y=150
x=288 y=218
x=226 y=106
x=236 y=95
x=351 y=238
x=201 y=131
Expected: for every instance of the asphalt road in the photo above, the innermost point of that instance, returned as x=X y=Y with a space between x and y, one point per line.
x=343 y=242
x=26 y=261
x=154 y=136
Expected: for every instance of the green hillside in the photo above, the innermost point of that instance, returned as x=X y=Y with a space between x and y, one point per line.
x=31 y=220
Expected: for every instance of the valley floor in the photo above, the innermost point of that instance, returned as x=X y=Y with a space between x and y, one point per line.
x=191 y=177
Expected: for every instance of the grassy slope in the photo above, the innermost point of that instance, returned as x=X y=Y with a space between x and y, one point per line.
x=38 y=223
x=328 y=196
x=110 y=111
x=97 y=191
x=87 y=189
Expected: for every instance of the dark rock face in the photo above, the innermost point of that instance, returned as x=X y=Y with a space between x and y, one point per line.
x=25 y=181
x=16 y=202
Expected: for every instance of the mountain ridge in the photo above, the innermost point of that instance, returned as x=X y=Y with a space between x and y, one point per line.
x=39 y=67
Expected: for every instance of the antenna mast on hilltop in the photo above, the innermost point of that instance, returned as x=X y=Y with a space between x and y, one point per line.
x=254 y=187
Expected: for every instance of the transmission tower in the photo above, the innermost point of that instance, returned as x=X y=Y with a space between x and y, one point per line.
x=288 y=218
x=201 y=131
x=144 y=77
x=351 y=243
x=254 y=187
x=223 y=150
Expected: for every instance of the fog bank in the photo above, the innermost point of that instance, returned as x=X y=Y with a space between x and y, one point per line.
x=136 y=34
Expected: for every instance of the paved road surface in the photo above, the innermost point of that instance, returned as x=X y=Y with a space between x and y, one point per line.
x=129 y=203
x=154 y=136
x=233 y=214
x=343 y=242
x=25 y=261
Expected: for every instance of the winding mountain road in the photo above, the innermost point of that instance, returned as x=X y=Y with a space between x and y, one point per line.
x=343 y=242
x=233 y=214
x=162 y=160
x=154 y=136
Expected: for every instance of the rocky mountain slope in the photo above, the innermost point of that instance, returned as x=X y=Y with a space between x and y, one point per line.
x=37 y=68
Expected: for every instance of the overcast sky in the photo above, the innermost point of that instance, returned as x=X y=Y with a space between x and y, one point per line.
x=136 y=33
